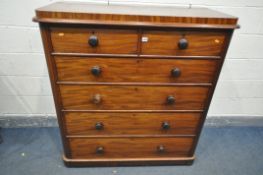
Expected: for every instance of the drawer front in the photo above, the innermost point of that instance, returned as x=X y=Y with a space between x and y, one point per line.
x=106 y=41
x=135 y=70
x=131 y=123
x=114 y=97
x=85 y=148
x=182 y=43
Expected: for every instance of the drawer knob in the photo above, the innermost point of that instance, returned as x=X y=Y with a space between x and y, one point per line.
x=99 y=126
x=182 y=44
x=95 y=70
x=160 y=149
x=93 y=41
x=99 y=150
x=170 y=100
x=165 y=125
x=97 y=99
x=175 y=72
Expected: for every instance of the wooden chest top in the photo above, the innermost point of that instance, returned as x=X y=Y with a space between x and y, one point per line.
x=86 y=13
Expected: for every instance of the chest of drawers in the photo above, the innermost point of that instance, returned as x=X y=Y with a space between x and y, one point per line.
x=132 y=85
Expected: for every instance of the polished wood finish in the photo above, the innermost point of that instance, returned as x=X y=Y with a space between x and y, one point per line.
x=131 y=123
x=132 y=86
x=86 y=13
x=44 y=30
x=72 y=40
x=199 y=43
x=135 y=70
x=81 y=97
x=129 y=161
x=86 y=148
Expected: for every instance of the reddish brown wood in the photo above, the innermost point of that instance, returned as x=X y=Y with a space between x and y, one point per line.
x=199 y=43
x=212 y=89
x=85 y=148
x=134 y=111
x=129 y=97
x=81 y=97
x=75 y=40
x=131 y=123
x=81 y=13
x=45 y=34
x=135 y=70
x=92 y=55
x=129 y=161
x=133 y=83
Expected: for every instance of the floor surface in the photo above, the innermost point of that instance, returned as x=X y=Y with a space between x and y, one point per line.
x=221 y=151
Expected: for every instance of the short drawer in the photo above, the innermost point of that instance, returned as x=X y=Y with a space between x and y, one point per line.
x=99 y=148
x=135 y=70
x=78 y=123
x=182 y=43
x=104 y=41
x=120 y=97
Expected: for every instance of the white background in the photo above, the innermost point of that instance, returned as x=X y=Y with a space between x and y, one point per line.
x=24 y=83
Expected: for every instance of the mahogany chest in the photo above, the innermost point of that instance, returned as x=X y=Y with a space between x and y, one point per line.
x=132 y=85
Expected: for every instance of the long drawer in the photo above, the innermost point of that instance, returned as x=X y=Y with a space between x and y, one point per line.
x=118 y=97
x=88 y=40
x=135 y=70
x=78 y=123
x=100 y=148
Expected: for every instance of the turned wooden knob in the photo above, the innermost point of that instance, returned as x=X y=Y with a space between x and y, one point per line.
x=170 y=100
x=166 y=125
x=175 y=72
x=95 y=70
x=99 y=126
x=160 y=149
x=182 y=44
x=93 y=41
x=99 y=150
x=97 y=99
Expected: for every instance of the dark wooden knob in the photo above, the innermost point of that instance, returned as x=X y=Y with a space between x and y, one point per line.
x=95 y=70
x=99 y=126
x=96 y=99
x=160 y=149
x=93 y=41
x=165 y=125
x=99 y=150
x=182 y=44
x=175 y=72
x=170 y=99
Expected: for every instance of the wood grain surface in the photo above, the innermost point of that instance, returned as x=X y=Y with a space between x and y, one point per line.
x=131 y=123
x=135 y=70
x=75 y=40
x=129 y=147
x=132 y=97
x=86 y=13
x=199 y=43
